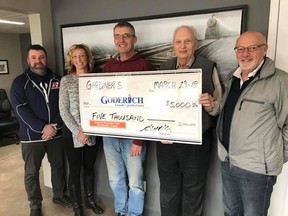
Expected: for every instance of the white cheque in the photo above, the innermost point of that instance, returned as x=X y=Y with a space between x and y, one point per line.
x=149 y=105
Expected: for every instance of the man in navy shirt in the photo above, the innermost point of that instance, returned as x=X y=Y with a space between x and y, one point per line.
x=34 y=98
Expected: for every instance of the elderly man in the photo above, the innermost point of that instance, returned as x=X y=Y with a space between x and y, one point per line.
x=183 y=167
x=252 y=129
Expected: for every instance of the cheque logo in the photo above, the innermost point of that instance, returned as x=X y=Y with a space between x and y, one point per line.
x=122 y=100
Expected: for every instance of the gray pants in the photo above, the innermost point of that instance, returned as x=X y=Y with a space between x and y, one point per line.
x=33 y=154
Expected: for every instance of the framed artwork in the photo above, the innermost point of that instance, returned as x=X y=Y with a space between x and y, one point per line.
x=217 y=30
x=4 y=69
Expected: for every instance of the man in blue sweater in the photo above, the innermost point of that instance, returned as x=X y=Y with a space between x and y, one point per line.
x=34 y=98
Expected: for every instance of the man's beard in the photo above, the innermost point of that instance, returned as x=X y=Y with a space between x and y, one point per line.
x=246 y=67
x=39 y=70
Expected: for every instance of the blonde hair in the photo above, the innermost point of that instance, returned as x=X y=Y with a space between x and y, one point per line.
x=71 y=69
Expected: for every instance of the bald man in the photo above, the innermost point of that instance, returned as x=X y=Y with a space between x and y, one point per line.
x=252 y=129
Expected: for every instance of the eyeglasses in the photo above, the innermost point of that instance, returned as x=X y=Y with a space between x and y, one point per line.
x=124 y=36
x=241 y=49
x=185 y=42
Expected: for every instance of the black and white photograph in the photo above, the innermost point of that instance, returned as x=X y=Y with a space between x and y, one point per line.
x=4 y=67
x=217 y=30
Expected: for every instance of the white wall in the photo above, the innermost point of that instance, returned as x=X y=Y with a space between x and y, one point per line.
x=282 y=36
x=278 y=45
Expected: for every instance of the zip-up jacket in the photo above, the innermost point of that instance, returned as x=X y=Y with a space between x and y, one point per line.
x=34 y=99
x=259 y=126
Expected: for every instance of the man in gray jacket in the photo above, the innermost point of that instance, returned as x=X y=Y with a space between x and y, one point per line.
x=252 y=129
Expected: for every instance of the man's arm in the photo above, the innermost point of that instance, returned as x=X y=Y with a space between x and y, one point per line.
x=285 y=141
x=282 y=114
x=281 y=110
x=57 y=120
x=21 y=108
x=212 y=103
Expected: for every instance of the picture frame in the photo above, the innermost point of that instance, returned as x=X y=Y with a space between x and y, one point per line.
x=4 y=68
x=217 y=30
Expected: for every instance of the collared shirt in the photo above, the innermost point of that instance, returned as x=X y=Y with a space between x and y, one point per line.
x=187 y=66
x=217 y=94
x=238 y=73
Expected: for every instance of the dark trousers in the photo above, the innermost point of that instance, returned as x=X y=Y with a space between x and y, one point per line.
x=33 y=154
x=182 y=171
x=81 y=157
x=245 y=192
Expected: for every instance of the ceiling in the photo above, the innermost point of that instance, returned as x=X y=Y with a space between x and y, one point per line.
x=17 y=17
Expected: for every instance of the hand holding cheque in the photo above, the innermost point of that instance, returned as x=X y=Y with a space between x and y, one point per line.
x=154 y=105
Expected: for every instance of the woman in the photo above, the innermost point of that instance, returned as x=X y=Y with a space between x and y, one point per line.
x=83 y=153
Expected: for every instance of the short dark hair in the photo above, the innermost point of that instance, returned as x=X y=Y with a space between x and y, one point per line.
x=36 y=47
x=125 y=24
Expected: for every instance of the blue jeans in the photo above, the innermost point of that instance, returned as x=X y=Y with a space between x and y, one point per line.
x=125 y=175
x=245 y=192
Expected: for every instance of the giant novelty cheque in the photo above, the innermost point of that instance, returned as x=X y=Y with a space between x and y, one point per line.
x=149 y=105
